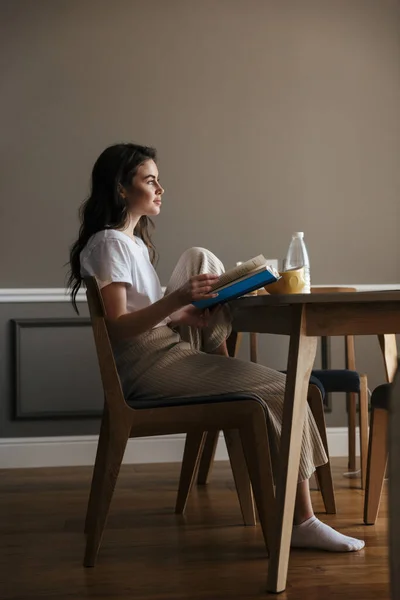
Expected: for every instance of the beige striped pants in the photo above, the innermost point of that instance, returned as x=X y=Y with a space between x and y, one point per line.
x=166 y=363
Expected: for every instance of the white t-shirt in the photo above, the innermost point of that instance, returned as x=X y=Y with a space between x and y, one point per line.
x=112 y=256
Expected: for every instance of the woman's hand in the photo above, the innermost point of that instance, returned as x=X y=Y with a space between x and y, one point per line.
x=197 y=287
x=194 y=317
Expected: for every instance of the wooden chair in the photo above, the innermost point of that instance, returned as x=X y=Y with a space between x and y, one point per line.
x=377 y=451
x=242 y=417
x=394 y=487
x=378 y=430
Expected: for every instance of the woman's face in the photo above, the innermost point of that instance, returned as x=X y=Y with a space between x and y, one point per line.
x=144 y=195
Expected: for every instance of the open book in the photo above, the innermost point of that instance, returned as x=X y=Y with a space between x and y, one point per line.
x=242 y=279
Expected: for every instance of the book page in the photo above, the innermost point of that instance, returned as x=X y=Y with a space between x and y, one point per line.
x=240 y=271
x=258 y=270
x=248 y=275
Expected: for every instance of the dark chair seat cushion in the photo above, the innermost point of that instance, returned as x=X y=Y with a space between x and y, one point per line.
x=380 y=396
x=170 y=402
x=315 y=381
x=338 y=380
x=139 y=403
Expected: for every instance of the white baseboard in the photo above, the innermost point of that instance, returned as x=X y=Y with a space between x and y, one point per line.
x=81 y=450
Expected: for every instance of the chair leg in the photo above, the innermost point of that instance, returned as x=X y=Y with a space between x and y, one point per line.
x=323 y=473
x=240 y=475
x=98 y=470
x=257 y=454
x=377 y=461
x=191 y=457
x=196 y=447
x=253 y=347
x=112 y=456
x=352 y=412
x=207 y=457
x=363 y=414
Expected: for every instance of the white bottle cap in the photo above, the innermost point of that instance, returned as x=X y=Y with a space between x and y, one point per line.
x=298 y=234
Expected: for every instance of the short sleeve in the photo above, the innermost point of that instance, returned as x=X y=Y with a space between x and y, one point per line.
x=110 y=261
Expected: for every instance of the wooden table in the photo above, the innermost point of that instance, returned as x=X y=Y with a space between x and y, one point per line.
x=305 y=317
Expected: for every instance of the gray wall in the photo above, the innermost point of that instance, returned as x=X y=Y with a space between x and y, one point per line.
x=49 y=378
x=269 y=117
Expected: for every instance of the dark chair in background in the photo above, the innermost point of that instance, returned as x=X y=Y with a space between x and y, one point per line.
x=377 y=451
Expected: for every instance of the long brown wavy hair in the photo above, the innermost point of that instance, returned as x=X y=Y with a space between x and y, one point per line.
x=105 y=208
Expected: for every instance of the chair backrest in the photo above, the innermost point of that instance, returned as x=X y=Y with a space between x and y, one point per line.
x=113 y=393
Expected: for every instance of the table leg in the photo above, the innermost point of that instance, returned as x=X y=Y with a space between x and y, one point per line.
x=233 y=343
x=302 y=352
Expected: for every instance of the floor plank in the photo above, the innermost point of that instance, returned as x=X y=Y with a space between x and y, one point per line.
x=149 y=553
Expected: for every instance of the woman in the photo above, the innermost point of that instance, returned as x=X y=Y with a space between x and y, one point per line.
x=153 y=359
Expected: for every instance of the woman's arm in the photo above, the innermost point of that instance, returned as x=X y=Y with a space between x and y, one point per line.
x=123 y=324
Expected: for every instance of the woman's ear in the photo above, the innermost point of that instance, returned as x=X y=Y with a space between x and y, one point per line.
x=122 y=191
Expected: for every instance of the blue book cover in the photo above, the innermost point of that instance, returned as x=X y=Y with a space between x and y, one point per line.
x=238 y=288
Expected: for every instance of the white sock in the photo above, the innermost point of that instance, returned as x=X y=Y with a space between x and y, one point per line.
x=315 y=534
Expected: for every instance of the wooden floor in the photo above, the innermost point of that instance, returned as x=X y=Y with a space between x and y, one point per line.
x=149 y=553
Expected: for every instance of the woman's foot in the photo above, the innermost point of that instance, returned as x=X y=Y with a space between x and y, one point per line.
x=315 y=534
